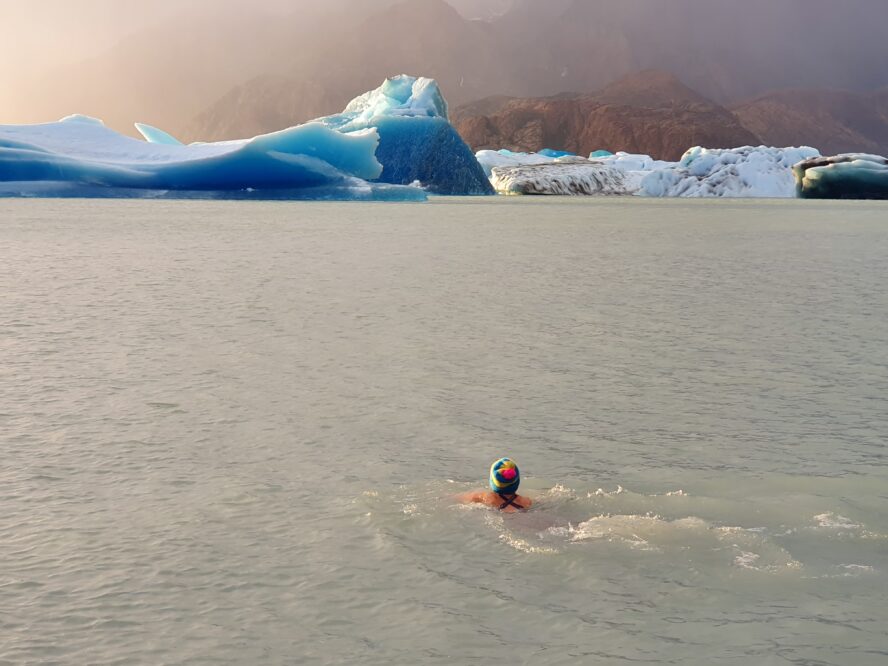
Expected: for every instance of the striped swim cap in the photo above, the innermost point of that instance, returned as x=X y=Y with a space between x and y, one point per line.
x=504 y=477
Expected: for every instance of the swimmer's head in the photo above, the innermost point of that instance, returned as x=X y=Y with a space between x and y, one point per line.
x=504 y=477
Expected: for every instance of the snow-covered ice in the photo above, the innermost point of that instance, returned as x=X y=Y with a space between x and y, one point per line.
x=737 y=172
x=852 y=176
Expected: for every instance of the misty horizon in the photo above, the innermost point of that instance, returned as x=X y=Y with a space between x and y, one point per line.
x=196 y=67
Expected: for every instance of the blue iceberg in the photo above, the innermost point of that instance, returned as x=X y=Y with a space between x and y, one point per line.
x=417 y=143
x=849 y=176
x=394 y=143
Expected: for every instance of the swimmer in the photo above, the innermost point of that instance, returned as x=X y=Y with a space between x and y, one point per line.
x=503 y=494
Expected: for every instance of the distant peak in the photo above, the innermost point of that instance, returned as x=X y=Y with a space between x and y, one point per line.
x=650 y=88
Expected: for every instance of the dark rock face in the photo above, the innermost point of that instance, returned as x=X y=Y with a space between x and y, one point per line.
x=651 y=113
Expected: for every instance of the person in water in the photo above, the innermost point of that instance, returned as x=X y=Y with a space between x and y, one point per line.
x=503 y=494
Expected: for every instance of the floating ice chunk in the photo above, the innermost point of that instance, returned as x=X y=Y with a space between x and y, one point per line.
x=154 y=135
x=416 y=140
x=82 y=156
x=566 y=176
x=738 y=172
x=567 y=180
x=394 y=137
x=852 y=176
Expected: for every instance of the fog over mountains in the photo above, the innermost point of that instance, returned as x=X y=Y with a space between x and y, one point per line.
x=210 y=70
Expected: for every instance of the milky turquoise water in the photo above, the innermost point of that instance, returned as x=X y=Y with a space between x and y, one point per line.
x=229 y=432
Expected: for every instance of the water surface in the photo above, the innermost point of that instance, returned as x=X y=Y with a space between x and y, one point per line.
x=229 y=432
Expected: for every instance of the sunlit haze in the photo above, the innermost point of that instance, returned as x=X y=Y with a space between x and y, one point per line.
x=206 y=69
x=37 y=36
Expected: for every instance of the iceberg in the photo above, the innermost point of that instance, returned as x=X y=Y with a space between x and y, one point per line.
x=549 y=172
x=738 y=172
x=417 y=143
x=79 y=156
x=564 y=176
x=385 y=145
x=851 y=176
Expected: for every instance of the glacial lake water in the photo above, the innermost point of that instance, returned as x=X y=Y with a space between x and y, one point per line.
x=230 y=432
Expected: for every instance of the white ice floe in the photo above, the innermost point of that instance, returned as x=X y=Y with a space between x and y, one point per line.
x=565 y=176
x=739 y=172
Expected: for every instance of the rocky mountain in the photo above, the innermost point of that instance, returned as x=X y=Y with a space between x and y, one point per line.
x=651 y=112
x=834 y=121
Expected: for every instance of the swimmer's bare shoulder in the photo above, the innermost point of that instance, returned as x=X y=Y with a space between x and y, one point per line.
x=491 y=499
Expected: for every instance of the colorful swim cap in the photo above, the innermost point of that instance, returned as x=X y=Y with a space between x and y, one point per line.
x=504 y=477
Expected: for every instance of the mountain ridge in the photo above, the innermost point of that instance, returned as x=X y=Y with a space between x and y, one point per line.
x=833 y=121
x=623 y=116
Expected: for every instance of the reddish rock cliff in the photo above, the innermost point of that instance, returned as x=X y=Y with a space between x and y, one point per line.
x=651 y=112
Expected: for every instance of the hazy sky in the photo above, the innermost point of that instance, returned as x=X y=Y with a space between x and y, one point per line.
x=36 y=35
x=190 y=54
